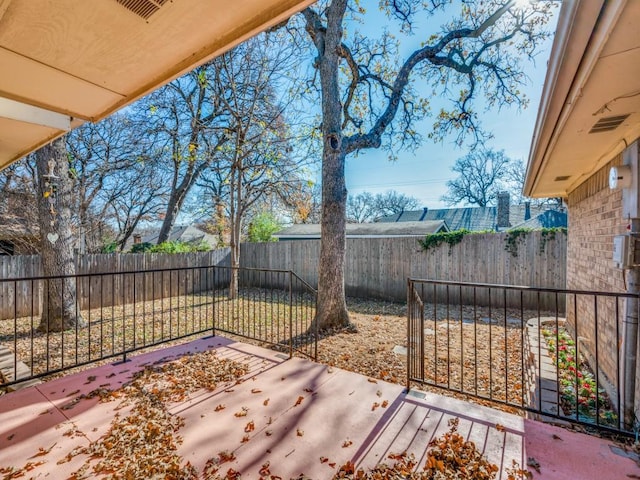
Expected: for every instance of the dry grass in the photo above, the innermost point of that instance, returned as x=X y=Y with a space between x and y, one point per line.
x=477 y=357
x=482 y=358
x=143 y=326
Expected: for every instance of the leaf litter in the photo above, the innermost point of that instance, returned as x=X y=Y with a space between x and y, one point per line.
x=144 y=443
x=370 y=344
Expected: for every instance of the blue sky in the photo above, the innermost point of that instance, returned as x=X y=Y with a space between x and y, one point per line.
x=423 y=174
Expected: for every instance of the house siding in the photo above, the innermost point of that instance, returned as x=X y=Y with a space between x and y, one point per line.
x=595 y=217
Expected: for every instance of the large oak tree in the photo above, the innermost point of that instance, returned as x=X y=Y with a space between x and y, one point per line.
x=60 y=308
x=369 y=100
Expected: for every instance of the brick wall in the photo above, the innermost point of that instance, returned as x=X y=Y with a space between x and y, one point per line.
x=595 y=217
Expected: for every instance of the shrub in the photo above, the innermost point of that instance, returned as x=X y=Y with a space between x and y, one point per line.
x=170 y=247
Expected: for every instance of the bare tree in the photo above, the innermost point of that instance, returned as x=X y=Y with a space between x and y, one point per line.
x=366 y=207
x=185 y=125
x=513 y=179
x=391 y=202
x=60 y=309
x=257 y=160
x=368 y=99
x=117 y=183
x=481 y=175
x=361 y=208
x=141 y=197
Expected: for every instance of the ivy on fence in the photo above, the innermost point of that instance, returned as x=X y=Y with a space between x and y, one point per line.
x=437 y=239
x=512 y=238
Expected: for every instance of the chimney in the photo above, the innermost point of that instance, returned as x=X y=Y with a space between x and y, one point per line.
x=527 y=211
x=137 y=238
x=502 y=220
x=424 y=214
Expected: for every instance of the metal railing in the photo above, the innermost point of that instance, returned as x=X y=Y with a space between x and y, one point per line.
x=554 y=353
x=124 y=312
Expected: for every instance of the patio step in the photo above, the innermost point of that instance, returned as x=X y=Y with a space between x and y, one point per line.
x=8 y=374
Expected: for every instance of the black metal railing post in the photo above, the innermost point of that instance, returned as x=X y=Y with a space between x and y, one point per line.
x=290 y=314
x=409 y=320
x=524 y=353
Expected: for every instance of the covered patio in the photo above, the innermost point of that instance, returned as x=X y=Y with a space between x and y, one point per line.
x=288 y=418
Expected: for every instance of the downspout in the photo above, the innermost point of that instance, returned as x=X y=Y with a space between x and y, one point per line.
x=631 y=211
x=630 y=336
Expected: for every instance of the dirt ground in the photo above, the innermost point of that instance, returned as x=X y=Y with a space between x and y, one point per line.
x=482 y=356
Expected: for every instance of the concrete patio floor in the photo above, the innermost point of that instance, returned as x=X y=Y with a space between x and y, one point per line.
x=337 y=408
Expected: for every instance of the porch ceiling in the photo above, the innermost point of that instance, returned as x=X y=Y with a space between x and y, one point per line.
x=64 y=62
x=593 y=74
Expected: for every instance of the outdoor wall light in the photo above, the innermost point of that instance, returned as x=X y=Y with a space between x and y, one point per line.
x=620 y=177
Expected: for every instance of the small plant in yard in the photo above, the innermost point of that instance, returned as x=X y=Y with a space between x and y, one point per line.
x=579 y=392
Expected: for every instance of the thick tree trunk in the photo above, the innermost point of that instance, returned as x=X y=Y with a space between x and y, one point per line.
x=60 y=309
x=173 y=207
x=332 y=307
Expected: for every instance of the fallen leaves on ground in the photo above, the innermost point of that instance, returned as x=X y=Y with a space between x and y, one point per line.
x=461 y=360
x=144 y=443
x=43 y=451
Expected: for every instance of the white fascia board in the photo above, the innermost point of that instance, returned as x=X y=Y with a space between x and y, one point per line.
x=29 y=114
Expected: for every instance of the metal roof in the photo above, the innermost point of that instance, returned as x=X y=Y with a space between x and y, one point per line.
x=404 y=229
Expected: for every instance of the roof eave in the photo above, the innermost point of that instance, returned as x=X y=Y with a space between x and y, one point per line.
x=575 y=49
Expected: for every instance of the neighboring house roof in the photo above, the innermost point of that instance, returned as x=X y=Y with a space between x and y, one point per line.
x=548 y=219
x=471 y=218
x=183 y=233
x=366 y=230
x=16 y=235
x=589 y=105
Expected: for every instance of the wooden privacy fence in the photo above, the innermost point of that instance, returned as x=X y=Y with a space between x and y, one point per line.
x=375 y=267
x=379 y=267
x=116 y=287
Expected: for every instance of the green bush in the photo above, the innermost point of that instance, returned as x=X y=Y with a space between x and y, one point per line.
x=110 y=247
x=170 y=247
x=262 y=228
x=141 y=247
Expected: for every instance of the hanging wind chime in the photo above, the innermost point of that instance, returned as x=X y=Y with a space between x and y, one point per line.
x=50 y=190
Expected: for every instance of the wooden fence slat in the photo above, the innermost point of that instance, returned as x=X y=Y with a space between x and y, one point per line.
x=379 y=267
x=374 y=267
x=112 y=289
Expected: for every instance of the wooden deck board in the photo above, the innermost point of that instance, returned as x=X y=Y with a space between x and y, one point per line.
x=11 y=370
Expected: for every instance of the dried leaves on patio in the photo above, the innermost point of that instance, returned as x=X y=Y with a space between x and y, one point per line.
x=450 y=456
x=144 y=443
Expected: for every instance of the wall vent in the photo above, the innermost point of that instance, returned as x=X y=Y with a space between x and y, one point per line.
x=562 y=178
x=143 y=8
x=607 y=124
